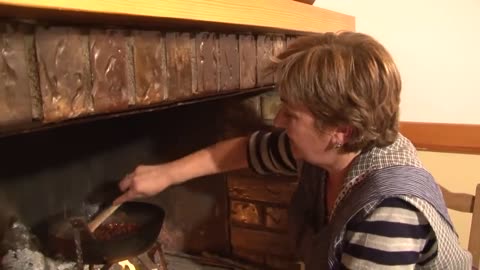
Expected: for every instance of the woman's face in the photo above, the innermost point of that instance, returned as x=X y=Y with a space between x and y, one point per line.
x=308 y=142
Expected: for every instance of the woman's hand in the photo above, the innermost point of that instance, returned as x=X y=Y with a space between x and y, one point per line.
x=145 y=181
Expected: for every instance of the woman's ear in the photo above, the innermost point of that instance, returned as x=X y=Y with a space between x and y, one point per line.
x=342 y=134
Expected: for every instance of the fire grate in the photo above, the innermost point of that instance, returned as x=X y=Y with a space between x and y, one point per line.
x=154 y=259
x=157 y=259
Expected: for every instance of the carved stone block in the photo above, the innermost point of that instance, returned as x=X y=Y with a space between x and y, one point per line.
x=112 y=77
x=33 y=73
x=281 y=263
x=276 y=218
x=181 y=67
x=259 y=241
x=150 y=67
x=264 y=54
x=245 y=212
x=207 y=52
x=15 y=101
x=248 y=61
x=279 y=45
x=270 y=105
x=229 y=62
x=64 y=73
x=290 y=40
x=254 y=104
x=263 y=190
x=249 y=256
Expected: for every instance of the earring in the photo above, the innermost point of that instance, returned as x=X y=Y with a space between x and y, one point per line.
x=338 y=145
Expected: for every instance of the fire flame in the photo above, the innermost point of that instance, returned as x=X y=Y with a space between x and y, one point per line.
x=125 y=264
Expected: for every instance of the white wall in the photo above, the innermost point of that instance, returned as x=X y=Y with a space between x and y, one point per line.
x=436 y=45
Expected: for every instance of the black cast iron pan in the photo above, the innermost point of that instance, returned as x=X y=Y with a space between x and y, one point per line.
x=56 y=233
x=145 y=219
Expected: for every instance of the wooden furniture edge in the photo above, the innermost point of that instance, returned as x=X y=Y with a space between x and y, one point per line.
x=284 y=15
x=443 y=137
x=458 y=201
x=468 y=204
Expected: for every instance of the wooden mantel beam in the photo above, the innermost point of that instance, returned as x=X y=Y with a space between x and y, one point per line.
x=284 y=15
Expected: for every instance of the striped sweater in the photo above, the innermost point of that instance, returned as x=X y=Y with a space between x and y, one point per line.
x=394 y=235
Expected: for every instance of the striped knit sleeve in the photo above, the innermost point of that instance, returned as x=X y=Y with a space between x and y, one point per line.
x=395 y=235
x=269 y=153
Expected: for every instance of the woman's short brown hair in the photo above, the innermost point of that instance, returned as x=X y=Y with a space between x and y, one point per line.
x=343 y=79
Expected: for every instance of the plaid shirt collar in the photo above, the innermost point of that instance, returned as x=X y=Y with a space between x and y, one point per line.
x=400 y=152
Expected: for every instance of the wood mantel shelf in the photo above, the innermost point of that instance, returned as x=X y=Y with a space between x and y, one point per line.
x=284 y=15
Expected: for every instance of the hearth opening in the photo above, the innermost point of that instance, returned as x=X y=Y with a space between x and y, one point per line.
x=234 y=221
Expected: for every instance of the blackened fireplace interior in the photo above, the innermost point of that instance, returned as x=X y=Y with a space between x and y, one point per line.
x=43 y=173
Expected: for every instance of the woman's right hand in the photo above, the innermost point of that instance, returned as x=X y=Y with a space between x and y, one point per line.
x=144 y=181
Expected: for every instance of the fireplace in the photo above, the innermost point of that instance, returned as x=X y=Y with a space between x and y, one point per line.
x=141 y=97
x=81 y=105
x=51 y=170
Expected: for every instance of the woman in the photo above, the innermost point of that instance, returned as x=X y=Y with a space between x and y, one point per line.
x=364 y=201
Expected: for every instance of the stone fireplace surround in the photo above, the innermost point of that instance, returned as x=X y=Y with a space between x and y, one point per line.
x=81 y=105
x=56 y=73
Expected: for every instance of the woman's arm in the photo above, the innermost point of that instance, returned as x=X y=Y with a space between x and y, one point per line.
x=395 y=233
x=149 y=180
